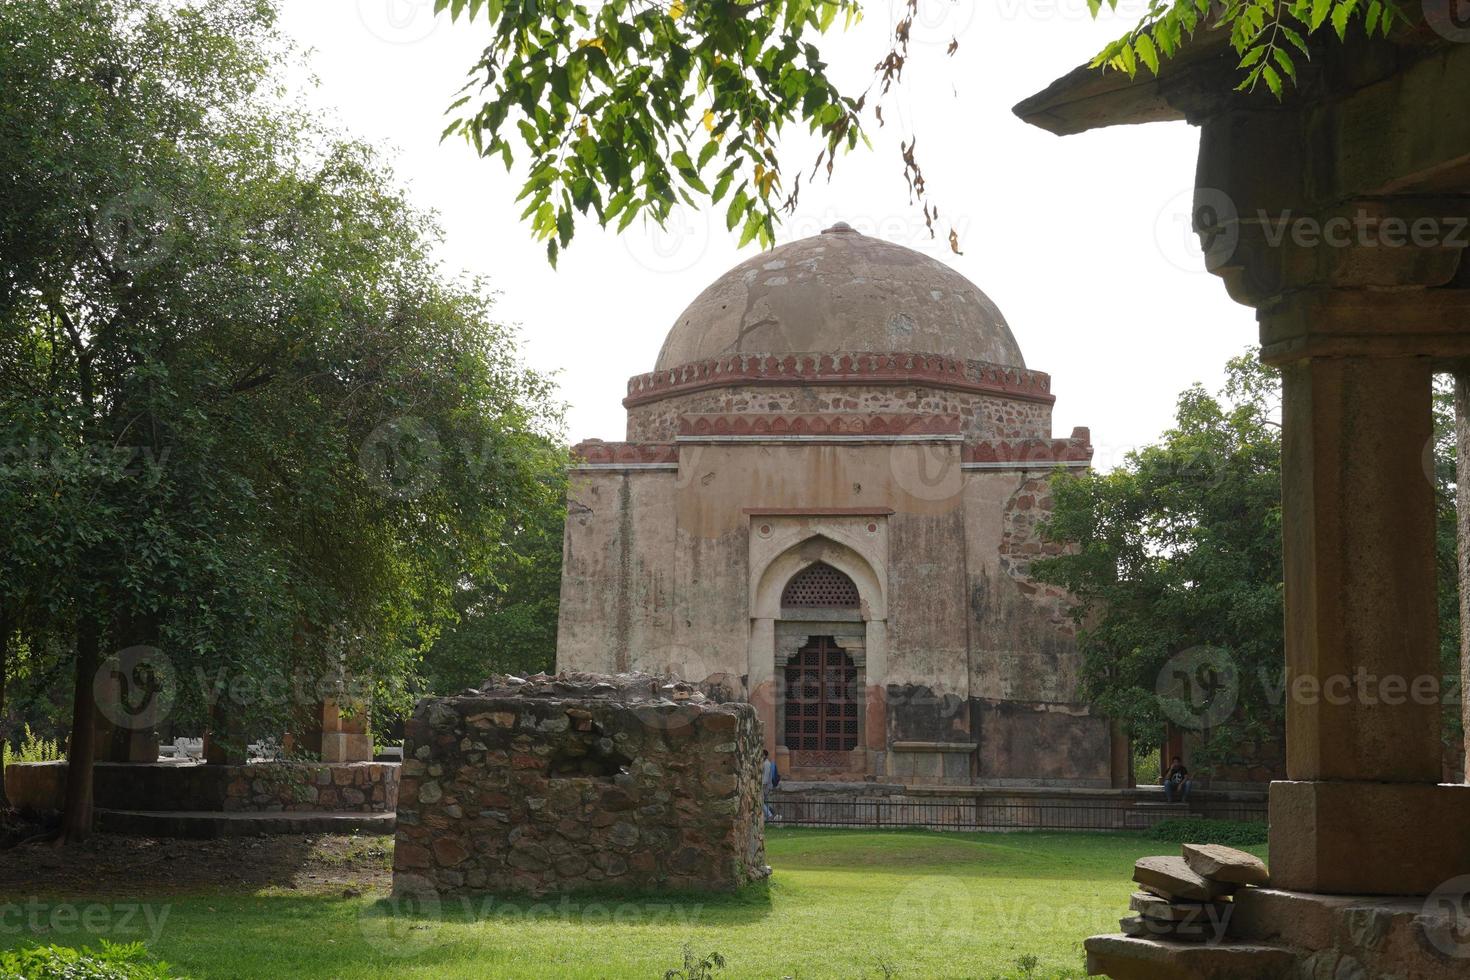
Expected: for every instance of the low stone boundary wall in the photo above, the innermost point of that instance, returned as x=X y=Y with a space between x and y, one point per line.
x=261 y=787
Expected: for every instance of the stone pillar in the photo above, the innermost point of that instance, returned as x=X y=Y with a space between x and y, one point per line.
x=1361 y=811
x=345 y=736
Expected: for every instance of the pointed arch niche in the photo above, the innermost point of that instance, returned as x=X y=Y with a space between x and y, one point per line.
x=818 y=641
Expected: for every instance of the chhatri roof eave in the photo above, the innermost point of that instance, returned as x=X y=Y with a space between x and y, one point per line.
x=1187 y=86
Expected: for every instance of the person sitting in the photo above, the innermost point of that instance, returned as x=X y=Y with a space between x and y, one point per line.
x=1177 y=782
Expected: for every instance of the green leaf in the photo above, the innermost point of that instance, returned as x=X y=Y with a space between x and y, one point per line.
x=1320 y=10
x=1147 y=53
x=1284 y=60
x=1273 y=80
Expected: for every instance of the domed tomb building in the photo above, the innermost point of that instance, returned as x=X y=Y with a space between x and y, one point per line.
x=827 y=504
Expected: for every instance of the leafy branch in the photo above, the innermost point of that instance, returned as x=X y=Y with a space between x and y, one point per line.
x=1262 y=32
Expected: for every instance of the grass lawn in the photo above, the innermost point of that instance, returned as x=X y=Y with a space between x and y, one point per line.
x=841 y=903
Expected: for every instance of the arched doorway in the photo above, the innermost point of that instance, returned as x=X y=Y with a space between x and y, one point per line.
x=821 y=703
x=820 y=648
x=808 y=589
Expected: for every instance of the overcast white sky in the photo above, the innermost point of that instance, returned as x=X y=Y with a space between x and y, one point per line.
x=1082 y=241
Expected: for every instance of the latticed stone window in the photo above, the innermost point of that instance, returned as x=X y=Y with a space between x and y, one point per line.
x=821 y=711
x=820 y=586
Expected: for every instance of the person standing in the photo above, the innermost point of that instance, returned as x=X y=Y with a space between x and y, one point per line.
x=770 y=779
x=1177 y=782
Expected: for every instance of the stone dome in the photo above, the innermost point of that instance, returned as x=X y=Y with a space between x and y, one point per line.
x=841 y=291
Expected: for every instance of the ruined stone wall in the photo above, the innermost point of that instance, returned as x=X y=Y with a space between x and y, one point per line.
x=983 y=416
x=579 y=781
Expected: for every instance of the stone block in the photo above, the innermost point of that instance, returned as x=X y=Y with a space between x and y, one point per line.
x=1359 y=838
x=1171 y=878
x=1219 y=863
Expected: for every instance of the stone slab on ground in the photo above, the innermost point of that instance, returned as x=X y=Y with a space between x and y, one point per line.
x=1140 y=926
x=1128 y=958
x=1152 y=906
x=1220 y=863
x=1170 y=877
x=205 y=824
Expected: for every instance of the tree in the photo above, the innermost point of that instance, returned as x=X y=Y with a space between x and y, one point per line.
x=627 y=107
x=1175 y=568
x=1178 y=550
x=507 y=613
x=252 y=427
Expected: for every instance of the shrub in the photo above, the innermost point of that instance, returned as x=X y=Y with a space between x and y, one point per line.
x=113 y=961
x=32 y=749
x=695 y=967
x=1198 y=830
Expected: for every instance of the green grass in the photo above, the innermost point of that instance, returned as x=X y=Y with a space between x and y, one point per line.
x=840 y=904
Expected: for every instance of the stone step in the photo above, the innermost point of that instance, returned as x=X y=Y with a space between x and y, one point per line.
x=1127 y=958
x=208 y=824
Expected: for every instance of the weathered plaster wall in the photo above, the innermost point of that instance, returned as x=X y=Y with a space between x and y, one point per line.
x=617 y=587
x=666 y=573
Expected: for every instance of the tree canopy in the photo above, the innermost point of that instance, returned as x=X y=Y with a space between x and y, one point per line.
x=248 y=421
x=1176 y=571
x=624 y=108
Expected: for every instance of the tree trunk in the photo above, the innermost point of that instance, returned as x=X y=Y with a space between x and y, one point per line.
x=76 y=812
x=1462 y=520
x=4 y=666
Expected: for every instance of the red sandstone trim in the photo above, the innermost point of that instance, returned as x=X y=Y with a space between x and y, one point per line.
x=818 y=511
x=844 y=424
x=834 y=369
x=1077 y=449
x=595 y=451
